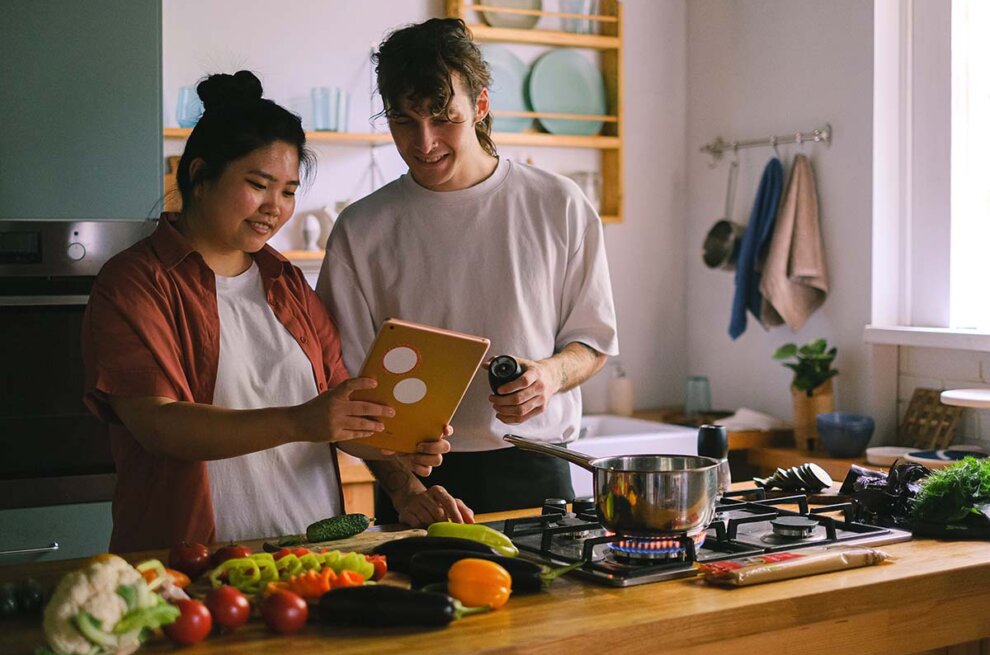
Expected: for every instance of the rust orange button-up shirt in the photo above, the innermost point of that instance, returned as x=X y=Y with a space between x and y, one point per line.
x=152 y=329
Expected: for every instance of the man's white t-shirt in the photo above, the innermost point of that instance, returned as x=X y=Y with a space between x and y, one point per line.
x=281 y=490
x=518 y=258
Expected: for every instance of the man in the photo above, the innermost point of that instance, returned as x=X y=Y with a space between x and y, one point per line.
x=478 y=244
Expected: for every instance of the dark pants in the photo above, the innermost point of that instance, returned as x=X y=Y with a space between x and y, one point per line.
x=493 y=481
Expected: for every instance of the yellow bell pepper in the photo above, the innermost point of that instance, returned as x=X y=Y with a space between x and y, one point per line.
x=478 y=582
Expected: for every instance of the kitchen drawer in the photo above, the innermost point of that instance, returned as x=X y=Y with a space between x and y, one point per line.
x=80 y=530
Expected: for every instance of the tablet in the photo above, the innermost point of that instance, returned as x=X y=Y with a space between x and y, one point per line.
x=423 y=373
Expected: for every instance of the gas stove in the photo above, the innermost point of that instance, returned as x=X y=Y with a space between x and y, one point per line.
x=746 y=523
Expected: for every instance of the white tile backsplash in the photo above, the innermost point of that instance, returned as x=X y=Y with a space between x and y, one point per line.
x=942 y=363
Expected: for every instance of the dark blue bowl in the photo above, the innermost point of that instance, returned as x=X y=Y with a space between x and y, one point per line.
x=843 y=434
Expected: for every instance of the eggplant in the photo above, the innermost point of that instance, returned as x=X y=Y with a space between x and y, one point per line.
x=430 y=567
x=400 y=552
x=385 y=605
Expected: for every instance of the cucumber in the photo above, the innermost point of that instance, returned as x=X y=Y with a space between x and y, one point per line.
x=337 y=527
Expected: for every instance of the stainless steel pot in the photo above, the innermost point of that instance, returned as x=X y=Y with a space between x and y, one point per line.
x=645 y=495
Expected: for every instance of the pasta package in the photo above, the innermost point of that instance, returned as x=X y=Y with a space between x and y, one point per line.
x=771 y=567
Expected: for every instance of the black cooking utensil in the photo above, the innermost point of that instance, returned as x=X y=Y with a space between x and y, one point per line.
x=502 y=370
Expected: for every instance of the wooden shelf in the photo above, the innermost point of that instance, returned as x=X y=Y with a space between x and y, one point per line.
x=609 y=44
x=501 y=138
x=545 y=37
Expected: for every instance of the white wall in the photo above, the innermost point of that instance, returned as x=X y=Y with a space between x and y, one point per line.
x=306 y=43
x=765 y=67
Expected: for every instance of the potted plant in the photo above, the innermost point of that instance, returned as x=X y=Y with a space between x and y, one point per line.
x=811 y=389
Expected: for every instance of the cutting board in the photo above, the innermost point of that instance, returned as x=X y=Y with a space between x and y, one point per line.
x=366 y=541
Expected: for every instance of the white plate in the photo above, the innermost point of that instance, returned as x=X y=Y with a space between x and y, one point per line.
x=513 y=21
x=508 y=90
x=886 y=455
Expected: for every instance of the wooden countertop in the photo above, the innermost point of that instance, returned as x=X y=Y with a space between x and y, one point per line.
x=932 y=595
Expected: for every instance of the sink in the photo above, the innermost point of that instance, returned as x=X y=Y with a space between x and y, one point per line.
x=605 y=435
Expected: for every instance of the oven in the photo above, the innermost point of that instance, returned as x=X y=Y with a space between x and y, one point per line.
x=54 y=452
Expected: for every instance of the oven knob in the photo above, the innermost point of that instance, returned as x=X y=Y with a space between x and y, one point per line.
x=76 y=251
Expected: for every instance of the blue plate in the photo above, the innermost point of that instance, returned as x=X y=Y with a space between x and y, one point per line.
x=940 y=458
x=564 y=82
x=507 y=91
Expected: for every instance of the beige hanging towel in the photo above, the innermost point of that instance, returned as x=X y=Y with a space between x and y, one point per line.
x=795 y=279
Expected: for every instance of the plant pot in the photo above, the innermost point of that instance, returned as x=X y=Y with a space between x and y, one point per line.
x=806 y=409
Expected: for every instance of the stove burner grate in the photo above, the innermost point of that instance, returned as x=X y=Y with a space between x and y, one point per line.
x=654 y=549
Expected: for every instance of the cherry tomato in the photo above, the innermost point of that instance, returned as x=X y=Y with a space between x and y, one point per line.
x=284 y=611
x=193 y=624
x=191 y=558
x=229 y=607
x=380 y=564
x=230 y=551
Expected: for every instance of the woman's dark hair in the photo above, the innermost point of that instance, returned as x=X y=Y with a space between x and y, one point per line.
x=417 y=63
x=236 y=121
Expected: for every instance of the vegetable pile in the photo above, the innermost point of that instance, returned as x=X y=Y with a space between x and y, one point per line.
x=956 y=494
x=106 y=607
x=252 y=574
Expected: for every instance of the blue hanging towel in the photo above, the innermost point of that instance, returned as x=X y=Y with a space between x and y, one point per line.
x=755 y=240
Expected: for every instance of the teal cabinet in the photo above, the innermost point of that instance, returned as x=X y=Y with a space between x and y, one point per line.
x=80 y=530
x=80 y=109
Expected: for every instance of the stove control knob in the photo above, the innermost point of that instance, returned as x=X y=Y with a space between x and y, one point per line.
x=554 y=506
x=583 y=505
x=75 y=251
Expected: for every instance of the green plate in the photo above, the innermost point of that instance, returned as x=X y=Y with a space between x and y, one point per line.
x=508 y=89
x=564 y=82
x=512 y=21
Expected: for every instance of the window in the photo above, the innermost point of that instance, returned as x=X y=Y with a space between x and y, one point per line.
x=931 y=205
x=969 y=303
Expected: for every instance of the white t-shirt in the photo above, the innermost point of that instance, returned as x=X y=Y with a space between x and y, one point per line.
x=281 y=490
x=518 y=258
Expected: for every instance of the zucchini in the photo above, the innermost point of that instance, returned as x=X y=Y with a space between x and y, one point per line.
x=337 y=527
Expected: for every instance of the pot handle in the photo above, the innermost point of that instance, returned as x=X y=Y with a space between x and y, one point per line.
x=582 y=460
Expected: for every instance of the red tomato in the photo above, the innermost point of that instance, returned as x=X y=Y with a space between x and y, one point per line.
x=284 y=611
x=380 y=564
x=230 y=551
x=191 y=558
x=229 y=607
x=193 y=624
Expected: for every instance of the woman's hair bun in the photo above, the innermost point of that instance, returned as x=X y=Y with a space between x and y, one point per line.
x=223 y=89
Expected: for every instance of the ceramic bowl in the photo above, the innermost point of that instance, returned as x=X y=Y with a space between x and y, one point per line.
x=844 y=435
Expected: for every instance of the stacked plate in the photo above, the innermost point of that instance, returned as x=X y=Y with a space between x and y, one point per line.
x=496 y=18
x=807 y=477
x=508 y=89
x=563 y=81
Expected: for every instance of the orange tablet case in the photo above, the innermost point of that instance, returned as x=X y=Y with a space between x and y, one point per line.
x=423 y=373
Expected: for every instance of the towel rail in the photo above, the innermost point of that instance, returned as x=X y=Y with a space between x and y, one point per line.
x=720 y=145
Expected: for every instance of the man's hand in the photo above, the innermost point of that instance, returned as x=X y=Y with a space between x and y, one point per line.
x=434 y=504
x=529 y=394
x=428 y=454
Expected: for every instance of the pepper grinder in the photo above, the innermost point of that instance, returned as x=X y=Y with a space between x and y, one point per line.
x=713 y=441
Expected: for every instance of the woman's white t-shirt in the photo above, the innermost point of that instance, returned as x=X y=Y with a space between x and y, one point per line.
x=281 y=490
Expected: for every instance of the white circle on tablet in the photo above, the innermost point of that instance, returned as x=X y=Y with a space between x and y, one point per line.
x=399 y=360
x=409 y=391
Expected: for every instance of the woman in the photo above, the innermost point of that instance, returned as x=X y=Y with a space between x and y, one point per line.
x=214 y=362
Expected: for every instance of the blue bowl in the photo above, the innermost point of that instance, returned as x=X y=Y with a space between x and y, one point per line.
x=844 y=435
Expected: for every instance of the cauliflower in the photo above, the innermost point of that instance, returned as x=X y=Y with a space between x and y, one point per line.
x=106 y=607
